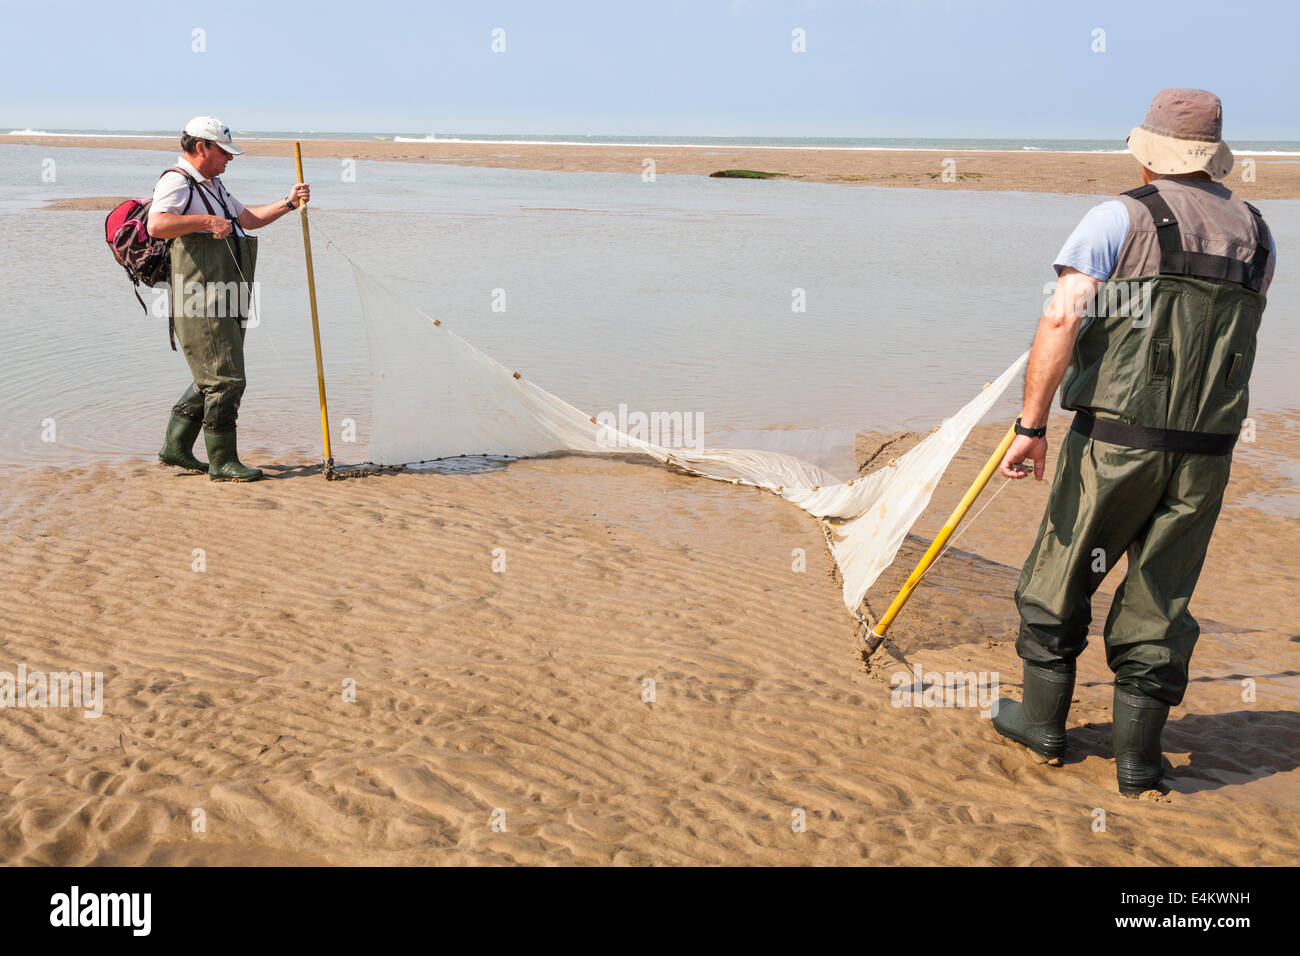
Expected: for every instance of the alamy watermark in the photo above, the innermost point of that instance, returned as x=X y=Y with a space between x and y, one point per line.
x=241 y=300
x=665 y=429
x=132 y=911
x=920 y=688
x=1116 y=298
x=56 y=689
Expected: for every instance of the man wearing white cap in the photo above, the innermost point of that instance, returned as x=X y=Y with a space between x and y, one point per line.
x=1151 y=336
x=212 y=253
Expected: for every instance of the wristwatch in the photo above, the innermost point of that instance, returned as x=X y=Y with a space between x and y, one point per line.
x=289 y=204
x=1040 y=432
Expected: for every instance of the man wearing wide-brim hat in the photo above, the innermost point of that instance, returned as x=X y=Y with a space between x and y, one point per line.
x=213 y=261
x=1151 y=336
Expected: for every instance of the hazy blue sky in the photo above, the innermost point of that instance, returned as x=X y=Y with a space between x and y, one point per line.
x=711 y=67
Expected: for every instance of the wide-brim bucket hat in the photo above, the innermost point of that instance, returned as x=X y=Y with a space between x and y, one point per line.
x=1182 y=133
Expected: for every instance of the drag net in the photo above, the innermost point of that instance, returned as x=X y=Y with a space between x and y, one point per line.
x=436 y=396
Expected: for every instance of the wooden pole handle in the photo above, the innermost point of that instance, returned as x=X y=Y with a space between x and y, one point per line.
x=315 y=319
x=877 y=634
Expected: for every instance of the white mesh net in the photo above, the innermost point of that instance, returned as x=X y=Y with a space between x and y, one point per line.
x=436 y=396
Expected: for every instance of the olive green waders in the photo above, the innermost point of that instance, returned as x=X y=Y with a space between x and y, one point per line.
x=211 y=291
x=1158 y=507
x=1158 y=381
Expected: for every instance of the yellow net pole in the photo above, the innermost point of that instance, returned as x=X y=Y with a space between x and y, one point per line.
x=876 y=635
x=315 y=321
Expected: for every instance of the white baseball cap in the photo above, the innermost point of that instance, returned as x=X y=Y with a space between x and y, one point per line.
x=209 y=127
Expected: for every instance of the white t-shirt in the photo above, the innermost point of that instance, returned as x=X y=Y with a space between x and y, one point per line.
x=173 y=189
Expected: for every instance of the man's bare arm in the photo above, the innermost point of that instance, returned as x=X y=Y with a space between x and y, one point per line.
x=170 y=225
x=1048 y=359
x=255 y=217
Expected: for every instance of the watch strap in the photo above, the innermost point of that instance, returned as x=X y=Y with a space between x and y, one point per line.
x=1040 y=432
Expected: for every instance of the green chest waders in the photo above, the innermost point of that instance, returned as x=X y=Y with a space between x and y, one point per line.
x=1158 y=381
x=212 y=296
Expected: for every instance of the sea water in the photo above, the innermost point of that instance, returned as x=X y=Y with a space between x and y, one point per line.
x=758 y=306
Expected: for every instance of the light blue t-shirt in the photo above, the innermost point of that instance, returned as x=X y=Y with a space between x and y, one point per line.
x=1093 y=247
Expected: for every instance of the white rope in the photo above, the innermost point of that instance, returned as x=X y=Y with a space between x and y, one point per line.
x=961 y=531
x=331 y=244
x=252 y=299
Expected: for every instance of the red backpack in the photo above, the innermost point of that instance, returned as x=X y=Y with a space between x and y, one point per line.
x=126 y=230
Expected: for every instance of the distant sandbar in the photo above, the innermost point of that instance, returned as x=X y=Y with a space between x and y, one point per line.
x=1077 y=173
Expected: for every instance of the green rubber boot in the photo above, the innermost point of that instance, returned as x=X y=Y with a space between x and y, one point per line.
x=1138 y=723
x=223 y=458
x=1039 y=721
x=178 y=446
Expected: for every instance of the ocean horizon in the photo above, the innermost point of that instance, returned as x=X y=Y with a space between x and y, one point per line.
x=957 y=143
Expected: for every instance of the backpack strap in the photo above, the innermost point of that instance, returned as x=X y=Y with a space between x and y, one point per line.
x=217 y=196
x=171 y=321
x=1176 y=260
x=190 y=181
x=193 y=183
x=236 y=228
x=135 y=287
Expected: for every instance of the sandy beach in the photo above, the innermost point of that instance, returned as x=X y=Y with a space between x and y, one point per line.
x=233 y=622
x=1086 y=173
x=598 y=660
